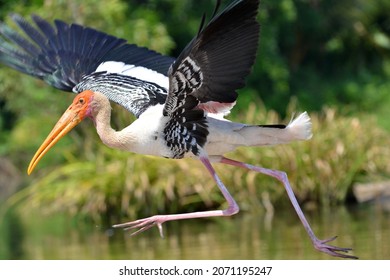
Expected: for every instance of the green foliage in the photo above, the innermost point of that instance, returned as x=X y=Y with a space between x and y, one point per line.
x=325 y=53
x=322 y=170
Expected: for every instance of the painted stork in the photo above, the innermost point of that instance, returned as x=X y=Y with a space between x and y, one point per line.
x=179 y=104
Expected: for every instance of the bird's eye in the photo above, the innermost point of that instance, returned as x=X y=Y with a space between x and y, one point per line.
x=81 y=101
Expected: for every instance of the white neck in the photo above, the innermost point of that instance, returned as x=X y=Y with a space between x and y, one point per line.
x=101 y=111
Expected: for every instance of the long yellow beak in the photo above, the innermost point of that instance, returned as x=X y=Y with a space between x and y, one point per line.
x=65 y=124
x=76 y=112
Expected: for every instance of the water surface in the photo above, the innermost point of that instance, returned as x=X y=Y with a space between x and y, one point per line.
x=366 y=228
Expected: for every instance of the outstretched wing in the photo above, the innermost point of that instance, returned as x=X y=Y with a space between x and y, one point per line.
x=62 y=54
x=216 y=62
x=210 y=69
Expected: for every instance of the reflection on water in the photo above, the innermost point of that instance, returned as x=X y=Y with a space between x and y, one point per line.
x=366 y=228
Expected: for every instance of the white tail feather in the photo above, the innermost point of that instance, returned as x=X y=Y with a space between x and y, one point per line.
x=298 y=129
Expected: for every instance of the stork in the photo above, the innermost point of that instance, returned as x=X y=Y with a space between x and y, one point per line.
x=180 y=103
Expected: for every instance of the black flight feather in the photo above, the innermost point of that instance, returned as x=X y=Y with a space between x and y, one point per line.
x=224 y=51
x=62 y=54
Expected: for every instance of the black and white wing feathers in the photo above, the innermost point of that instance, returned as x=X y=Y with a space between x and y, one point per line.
x=208 y=72
x=216 y=62
x=62 y=54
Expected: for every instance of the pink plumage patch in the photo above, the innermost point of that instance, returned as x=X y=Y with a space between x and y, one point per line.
x=216 y=107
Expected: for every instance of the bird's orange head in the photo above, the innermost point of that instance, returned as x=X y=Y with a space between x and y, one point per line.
x=76 y=112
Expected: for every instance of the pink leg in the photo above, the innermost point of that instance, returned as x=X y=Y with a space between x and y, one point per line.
x=145 y=224
x=282 y=177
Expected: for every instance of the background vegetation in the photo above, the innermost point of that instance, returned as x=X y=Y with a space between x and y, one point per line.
x=328 y=57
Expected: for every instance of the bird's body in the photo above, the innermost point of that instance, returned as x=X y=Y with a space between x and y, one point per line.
x=180 y=104
x=146 y=134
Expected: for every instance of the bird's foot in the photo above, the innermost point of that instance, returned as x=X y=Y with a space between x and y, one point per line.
x=142 y=225
x=322 y=246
